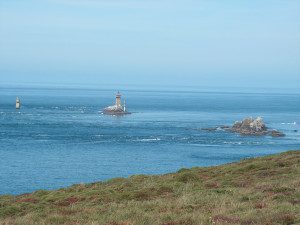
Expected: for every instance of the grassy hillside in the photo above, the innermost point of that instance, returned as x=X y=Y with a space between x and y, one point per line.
x=256 y=191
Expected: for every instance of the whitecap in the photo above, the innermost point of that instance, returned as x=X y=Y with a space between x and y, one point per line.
x=293 y=123
x=233 y=142
x=149 y=139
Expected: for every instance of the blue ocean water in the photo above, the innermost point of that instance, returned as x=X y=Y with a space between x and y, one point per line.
x=59 y=137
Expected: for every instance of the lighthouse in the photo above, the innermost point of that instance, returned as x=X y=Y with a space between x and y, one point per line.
x=118 y=100
x=118 y=109
x=18 y=103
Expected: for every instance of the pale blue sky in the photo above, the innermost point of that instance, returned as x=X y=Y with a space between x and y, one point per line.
x=187 y=42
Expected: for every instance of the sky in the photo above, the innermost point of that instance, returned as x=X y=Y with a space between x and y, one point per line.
x=151 y=42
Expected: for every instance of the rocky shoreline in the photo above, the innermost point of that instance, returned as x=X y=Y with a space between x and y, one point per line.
x=249 y=127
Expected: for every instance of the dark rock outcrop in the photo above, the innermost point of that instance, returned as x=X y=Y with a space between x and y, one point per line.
x=210 y=128
x=256 y=126
x=221 y=127
x=249 y=126
x=225 y=127
x=276 y=133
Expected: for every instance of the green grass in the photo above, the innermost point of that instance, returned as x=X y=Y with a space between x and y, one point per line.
x=254 y=191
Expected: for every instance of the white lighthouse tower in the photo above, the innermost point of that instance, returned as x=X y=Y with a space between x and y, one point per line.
x=18 y=103
x=118 y=109
x=118 y=100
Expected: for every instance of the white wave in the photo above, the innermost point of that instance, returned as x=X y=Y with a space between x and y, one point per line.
x=293 y=123
x=206 y=145
x=233 y=142
x=42 y=135
x=149 y=139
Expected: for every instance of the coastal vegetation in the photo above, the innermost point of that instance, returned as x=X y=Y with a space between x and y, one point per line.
x=263 y=190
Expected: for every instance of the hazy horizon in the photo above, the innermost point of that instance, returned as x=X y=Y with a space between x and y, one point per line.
x=172 y=43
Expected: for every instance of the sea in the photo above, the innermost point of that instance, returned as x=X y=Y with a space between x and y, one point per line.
x=59 y=137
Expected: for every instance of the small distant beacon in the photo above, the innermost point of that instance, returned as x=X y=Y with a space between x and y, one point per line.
x=18 y=103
